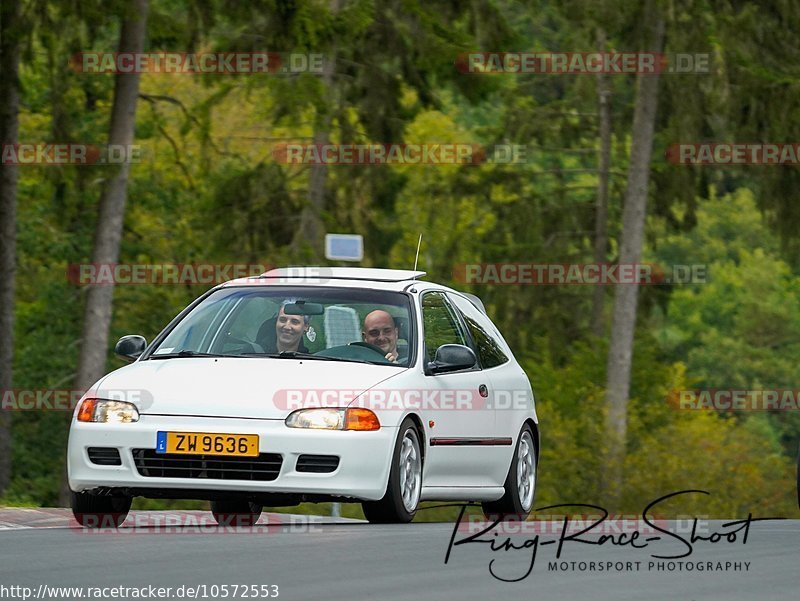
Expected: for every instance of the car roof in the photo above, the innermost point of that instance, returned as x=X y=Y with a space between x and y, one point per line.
x=350 y=277
x=390 y=279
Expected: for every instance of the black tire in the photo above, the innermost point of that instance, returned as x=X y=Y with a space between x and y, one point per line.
x=511 y=506
x=235 y=512
x=100 y=511
x=391 y=509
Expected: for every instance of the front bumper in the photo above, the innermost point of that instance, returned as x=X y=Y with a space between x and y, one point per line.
x=363 y=471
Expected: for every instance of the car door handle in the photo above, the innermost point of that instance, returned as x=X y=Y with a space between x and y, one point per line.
x=483 y=391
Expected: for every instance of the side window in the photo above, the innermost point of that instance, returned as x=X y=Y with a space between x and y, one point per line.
x=440 y=323
x=489 y=350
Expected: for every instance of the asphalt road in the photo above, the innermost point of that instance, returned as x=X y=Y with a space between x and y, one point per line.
x=353 y=560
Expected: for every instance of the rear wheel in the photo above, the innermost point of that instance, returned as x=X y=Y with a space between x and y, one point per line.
x=99 y=511
x=399 y=504
x=520 y=485
x=235 y=512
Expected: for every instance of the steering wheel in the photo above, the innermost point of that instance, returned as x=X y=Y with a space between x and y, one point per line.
x=371 y=347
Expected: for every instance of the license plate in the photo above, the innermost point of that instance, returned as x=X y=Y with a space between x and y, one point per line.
x=206 y=443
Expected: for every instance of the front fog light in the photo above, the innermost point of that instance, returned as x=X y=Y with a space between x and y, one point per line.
x=107 y=412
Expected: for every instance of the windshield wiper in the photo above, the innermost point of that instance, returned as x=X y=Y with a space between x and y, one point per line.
x=184 y=353
x=287 y=355
x=301 y=355
x=281 y=355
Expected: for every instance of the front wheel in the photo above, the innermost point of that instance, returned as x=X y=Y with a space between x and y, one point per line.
x=99 y=511
x=520 y=485
x=399 y=504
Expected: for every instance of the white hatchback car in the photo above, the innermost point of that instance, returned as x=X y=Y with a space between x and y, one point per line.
x=332 y=384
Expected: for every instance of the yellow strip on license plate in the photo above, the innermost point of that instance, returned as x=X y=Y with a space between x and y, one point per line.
x=207 y=443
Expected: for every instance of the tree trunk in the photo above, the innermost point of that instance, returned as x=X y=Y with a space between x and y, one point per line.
x=10 y=32
x=310 y=230
x=601 y=205
x=108 y=234
x=620 y=352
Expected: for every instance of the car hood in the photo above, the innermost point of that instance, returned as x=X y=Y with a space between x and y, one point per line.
x=260 y=388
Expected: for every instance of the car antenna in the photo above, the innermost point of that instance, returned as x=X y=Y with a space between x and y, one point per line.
x=419 y=243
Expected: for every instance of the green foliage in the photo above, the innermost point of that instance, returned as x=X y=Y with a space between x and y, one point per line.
x=741 y=329
x=739 y=462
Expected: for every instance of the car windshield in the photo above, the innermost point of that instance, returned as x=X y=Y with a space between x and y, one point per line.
x=326 y=324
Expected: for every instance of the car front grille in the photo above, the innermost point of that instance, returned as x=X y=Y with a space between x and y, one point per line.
x=320 y=464
x=104 y=456
x=150 y=464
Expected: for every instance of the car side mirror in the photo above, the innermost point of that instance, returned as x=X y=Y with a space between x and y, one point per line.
x=452 y=357
x=130 y=347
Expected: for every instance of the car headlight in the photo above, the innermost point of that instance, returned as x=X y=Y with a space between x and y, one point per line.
x=334 y=419
x=107 y=412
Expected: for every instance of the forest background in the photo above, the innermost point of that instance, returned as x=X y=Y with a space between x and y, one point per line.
x=211 y=189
